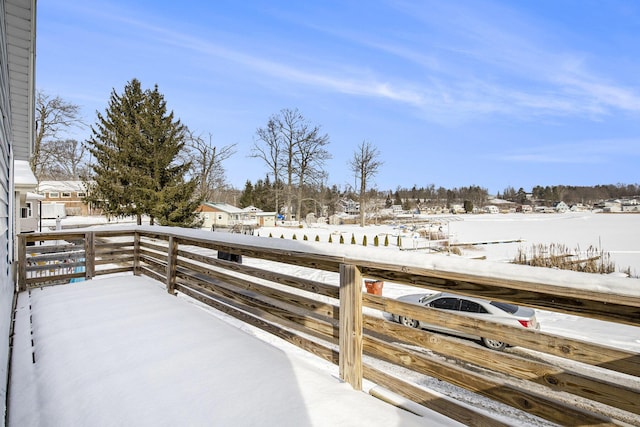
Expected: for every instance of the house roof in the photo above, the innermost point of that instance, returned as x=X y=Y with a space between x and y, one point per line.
x=46 y=186
x=34 y=196
x=20 y=32
x=223 y=207
x=23 y=175
x=252 y=209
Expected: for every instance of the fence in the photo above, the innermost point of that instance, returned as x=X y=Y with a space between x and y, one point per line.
x=566 y=381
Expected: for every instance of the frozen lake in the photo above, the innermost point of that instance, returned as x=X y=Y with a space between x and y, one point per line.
x=617 y=234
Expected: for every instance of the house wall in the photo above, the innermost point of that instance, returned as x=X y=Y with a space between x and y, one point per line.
x=267 y=220
x=17 y=59
x=213 y=218
x=6 y=212
x=68 y=193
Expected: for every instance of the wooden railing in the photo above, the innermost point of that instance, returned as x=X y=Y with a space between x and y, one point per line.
x=564 y=380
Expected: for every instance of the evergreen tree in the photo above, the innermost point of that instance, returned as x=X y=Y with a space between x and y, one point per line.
x=136 y=145
x=246 y=199
x=397 y=200
x=112 y=144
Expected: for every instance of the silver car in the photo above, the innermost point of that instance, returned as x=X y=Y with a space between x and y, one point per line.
x=500 y=312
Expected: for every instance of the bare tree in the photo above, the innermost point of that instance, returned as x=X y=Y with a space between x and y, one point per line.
x=53 y=115
x=206 y=164
x=309 y=162
x=269 y=147
x=63 y=159
x=294 y=151
x=365 y=164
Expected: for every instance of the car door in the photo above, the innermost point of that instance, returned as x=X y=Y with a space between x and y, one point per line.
x=459 y=306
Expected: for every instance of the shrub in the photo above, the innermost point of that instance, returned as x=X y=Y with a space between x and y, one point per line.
x=353 y=239
x=318 y=238
x=364 y=240
x=341 y=239
x=376 y=241
x=386 y=240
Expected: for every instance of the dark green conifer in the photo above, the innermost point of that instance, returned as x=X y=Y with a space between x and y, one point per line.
x=136 y=145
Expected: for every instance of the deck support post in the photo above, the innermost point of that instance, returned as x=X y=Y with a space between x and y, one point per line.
x=350 y=359
x=172 y=263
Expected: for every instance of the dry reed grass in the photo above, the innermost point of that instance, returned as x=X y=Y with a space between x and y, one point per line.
x=593 y=260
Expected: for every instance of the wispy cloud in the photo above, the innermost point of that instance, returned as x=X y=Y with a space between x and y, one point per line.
x=483 y=61
x=282 y=69
x=499 y=61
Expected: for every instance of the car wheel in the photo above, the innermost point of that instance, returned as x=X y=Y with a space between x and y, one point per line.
x=406 y=321
x=494 y=344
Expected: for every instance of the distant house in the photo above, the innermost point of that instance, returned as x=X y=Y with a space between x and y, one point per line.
x=257 y=216
x=544 y=209
x=578 y=207
x=64 y=198
x=224 y=215
x=266 y=219
x=611 y=205
x=350 y=207
x=560 y=207
x=630 y=205
x=491 y=209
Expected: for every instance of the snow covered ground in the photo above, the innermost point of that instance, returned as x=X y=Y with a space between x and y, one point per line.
x=617 y=234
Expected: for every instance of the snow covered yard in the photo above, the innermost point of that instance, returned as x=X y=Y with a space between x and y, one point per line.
x=122 y=351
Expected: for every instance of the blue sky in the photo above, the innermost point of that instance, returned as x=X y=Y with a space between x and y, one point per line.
x=452 y=93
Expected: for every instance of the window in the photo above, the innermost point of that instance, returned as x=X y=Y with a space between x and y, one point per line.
x=66 y=194
x=446 y=303
x=81 y=194
x=220 y=217
x=54 y=194
x=509 y=308
x=27 y=211
x=471 y=307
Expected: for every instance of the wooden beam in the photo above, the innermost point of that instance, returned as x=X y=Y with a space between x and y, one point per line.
x=351 y=325
x=22 y=262
x=172 y=264
x=136 y=254
x=89 y=255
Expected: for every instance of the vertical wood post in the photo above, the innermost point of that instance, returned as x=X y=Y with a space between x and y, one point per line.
x=136 y=254
x=89 y=255
x=172 y=261
x=350 y=359
x=22 y=262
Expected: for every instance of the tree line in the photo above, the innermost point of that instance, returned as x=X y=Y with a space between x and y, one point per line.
x=141 y=160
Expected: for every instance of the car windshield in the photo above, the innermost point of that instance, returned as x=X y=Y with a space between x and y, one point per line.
x=509 y=308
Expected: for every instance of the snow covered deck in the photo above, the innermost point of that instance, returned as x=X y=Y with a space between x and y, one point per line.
x=122 y=351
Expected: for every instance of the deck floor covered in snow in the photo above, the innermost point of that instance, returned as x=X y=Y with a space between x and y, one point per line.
x=122 y=351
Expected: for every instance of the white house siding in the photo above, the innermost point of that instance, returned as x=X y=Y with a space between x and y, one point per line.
x=17 y=100
x=6 y=213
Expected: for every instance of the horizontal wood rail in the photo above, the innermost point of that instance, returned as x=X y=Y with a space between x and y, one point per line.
x=319 y=306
